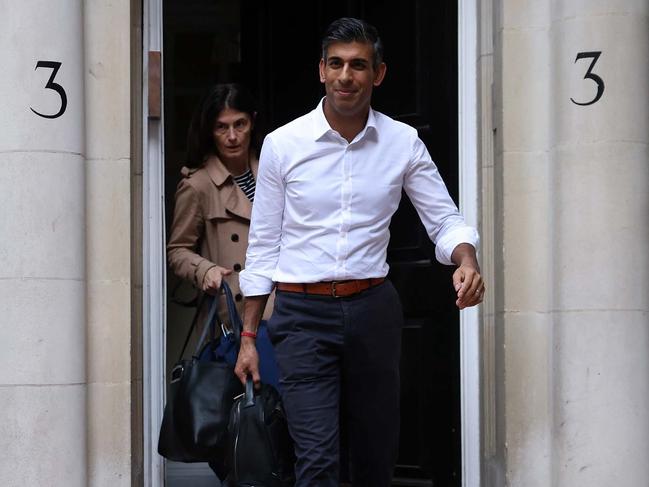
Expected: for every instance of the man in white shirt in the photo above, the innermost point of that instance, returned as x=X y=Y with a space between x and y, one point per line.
x=328 y=185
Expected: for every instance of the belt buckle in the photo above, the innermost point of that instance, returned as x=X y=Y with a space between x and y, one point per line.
x=333 y=289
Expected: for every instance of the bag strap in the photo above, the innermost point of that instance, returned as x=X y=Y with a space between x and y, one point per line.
x=235 y=319
x=209 y=325
x=204 y=298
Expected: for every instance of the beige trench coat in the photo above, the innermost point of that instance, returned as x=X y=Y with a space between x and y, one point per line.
x=210 y=227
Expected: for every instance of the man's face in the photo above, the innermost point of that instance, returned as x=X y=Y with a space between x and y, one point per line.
x=349 y=76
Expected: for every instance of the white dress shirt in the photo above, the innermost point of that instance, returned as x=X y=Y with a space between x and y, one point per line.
x=323 y=206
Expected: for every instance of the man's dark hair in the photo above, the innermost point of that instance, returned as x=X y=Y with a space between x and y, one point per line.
x=348 y=29
x=200 y=136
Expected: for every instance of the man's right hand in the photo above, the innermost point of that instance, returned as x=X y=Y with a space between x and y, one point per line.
x=247 y=361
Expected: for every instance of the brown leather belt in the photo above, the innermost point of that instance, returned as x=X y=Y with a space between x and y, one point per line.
x=337 y=289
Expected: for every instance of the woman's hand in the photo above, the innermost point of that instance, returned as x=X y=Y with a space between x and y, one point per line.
x=213 y=278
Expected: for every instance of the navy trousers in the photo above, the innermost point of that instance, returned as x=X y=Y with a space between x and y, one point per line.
x=331 y=348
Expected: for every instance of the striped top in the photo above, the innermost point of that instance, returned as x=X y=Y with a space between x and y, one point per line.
x=246 y=182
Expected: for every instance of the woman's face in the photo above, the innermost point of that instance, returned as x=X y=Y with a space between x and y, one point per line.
x=231 y=131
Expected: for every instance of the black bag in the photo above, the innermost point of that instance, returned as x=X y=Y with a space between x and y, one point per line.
x=201 y=393
x=260 y=449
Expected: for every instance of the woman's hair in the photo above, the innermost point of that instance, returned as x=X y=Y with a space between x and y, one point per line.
x=348 y=29
x=200 y=136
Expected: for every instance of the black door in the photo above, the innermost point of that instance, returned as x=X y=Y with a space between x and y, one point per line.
x=273 y=48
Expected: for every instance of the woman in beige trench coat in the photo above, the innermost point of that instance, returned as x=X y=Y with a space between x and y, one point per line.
x=209 y=233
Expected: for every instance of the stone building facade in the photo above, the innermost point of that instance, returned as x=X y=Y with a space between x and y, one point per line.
x=555 y=112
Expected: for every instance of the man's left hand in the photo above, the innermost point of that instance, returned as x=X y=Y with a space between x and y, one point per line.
x=468 y=285
x=467 y=280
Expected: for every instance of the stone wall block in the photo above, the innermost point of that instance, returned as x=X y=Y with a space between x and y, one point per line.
x=41 y=30
x=567 y=9
x=42 y=436
x=525 y=14
x=43 y=231
x=601 y=428
x=602 y=193
x=109 y=345
x=42 y=342
x=525 y=85
x=108 y=75
x=109 y=431
x=108 y=217
x=526 y=216
x=528 y=394
x=621 y=113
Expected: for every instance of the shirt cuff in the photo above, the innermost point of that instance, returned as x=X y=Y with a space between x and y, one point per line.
x=255 y=284
x=446 y=245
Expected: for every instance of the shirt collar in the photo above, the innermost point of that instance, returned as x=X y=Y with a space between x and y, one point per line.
x=321 y=127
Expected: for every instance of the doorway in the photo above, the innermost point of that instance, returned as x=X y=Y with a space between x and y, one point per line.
x=273 y=48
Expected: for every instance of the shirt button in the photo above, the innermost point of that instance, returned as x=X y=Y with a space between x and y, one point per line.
x=234 y=237
x=238 y=297
x=237 y=267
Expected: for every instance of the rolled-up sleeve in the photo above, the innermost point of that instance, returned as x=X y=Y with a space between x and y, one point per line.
x=265 y=225
x=439 y=214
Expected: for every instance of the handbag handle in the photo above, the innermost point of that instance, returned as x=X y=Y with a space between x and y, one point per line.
x=235 y=319
x=232 y=312
x=209 y=322
x=249 y=395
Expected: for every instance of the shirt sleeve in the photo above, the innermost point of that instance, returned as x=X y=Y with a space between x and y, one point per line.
x=439 y=214
x=265 y=225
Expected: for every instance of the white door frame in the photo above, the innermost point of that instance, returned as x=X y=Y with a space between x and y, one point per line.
x=154 y=314
x=469 y=194
x=154 y=268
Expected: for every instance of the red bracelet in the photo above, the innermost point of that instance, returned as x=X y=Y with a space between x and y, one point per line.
x=250 y=334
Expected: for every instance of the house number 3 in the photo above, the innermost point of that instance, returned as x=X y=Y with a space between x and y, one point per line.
x=51 y=85
x=591 y=76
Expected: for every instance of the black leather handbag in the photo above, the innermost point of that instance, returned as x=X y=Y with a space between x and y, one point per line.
x=260 y=449
x=199 y=400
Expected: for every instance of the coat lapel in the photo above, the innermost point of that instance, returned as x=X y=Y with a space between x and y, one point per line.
x=233 y=199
